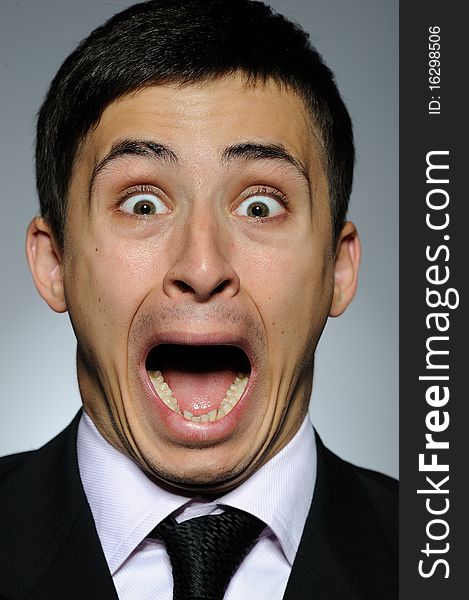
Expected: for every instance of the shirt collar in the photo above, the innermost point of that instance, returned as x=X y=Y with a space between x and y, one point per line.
x=126 y=504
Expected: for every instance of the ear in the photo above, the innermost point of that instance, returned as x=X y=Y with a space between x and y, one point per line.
x=347 y=262
x=45 y=261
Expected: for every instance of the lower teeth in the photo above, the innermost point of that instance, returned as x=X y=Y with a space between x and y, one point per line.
x=232 y=396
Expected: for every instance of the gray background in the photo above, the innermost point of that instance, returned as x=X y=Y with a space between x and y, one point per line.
x=355 y=400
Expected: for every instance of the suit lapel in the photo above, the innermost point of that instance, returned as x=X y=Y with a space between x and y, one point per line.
x=52 y=543
x=343 y=552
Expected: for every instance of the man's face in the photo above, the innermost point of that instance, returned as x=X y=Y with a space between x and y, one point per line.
x=198 y=248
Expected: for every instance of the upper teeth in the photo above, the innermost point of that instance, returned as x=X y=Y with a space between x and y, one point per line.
x=233 y=394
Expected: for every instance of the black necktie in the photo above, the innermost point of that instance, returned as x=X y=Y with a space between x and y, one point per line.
x=206 y=551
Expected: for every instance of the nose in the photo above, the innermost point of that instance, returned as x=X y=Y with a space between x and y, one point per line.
x=202 y=265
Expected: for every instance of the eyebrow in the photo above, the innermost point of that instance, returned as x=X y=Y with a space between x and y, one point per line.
x=132 y=148
x=240 y=151
x=257 y=151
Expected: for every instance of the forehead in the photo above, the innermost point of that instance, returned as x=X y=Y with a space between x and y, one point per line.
x=200 y=120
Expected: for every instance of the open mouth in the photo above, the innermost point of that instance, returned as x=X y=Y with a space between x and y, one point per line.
x=201 y=383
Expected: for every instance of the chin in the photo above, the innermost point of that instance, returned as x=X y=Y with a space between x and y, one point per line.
x=199 y=473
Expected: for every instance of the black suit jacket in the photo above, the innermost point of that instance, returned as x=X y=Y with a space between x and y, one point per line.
x=49 y=548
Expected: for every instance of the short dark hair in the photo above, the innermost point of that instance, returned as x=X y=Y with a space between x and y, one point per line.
x=184 y=41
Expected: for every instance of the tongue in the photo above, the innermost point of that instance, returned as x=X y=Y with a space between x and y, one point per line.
x=199 y=392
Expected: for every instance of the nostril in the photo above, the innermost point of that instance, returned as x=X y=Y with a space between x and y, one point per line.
x=183 y=286
x=220 y=287
x=202 y=284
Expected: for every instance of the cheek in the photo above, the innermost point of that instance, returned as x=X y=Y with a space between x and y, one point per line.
x=105 y=284
x=292 y=290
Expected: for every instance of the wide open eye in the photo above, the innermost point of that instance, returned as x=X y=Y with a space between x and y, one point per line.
x=144 y=203
x=260 y=206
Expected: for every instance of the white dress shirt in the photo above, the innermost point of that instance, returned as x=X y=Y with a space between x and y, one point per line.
x=127 y=505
